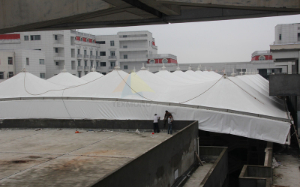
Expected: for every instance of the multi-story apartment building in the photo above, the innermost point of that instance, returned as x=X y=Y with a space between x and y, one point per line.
x=14 y=61
x=78 y=52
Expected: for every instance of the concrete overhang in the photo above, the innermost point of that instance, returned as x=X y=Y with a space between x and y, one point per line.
x=28 y=15
x=285 y=47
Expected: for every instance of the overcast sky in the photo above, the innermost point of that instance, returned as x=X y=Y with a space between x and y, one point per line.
x=214 y=41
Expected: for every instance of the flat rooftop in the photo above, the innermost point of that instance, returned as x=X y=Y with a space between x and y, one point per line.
x=61 y=157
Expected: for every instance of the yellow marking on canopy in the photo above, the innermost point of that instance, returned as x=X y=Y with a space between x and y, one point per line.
x=121 y=86
x=138 y=85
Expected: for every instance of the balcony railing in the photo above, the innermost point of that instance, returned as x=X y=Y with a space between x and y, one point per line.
x=98 y=68
x=79 y=55
x=79 y=68
x=112 y=57
x=86 y=68
x=58 y=42
x=97 y=57
x=86 y=56
x=93 y=56
x=111 y=67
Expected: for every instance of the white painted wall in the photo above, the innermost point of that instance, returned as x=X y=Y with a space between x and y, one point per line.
x=5 y=68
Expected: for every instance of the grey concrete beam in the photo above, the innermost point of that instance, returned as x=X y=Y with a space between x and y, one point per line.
x=282 y=5
x=30 y=15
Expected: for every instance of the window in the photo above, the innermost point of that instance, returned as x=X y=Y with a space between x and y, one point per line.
x=42 y=75
x=55 y=37
x=112 y=64
x=92 y=63
x=10 y=60
x=103 y=73
x=97 y=64
x=10 y=74
x=112 y=53
x=101 y=42
x=56 y=50
x=103 y=64
x=298 y=36
x=73 y=65
x=27 y=61
x=124 y=36
x=57 y=63
x=125 y=56
x=79 y=74
x=102 y=53
x=80 y=39
x=85 y=63
x=26 y=38
x=91 y=53
x=125 y=46
x=1 y=75
x=78 y=51
x=112 y=43
x=84 y=52
x=261 y=57
x=79 y=63
x=125 y=67
x=96 y=53
x=279 y=36
x=42 y=61
x=86 y=72
x=35 y=37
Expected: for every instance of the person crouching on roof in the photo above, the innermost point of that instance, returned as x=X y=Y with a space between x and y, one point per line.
x=155 y=123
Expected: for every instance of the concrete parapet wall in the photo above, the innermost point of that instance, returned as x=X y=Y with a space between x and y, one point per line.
x=218 y=173
x=161 y=165
x=102 y=124
x=255 y=176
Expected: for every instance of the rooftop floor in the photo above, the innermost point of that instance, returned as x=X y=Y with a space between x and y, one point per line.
x=288 y=173
x=59 y=157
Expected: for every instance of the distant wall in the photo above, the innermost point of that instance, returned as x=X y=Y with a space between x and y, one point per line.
x=160 y=165
x=107 y=124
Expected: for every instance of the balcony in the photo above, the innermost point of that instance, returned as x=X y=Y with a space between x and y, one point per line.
x=58 y=56
x=92 y=57
x=79 y=55
x=154 y=47
x=98 y=68
x=111 y=67
x=86 y=56
x=86 y=68
x=112 y=57
x=58 y=42
x=133 y=49
x=79 y=68
x=97 y=57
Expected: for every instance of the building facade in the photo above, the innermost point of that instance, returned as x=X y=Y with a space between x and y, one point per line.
x=79 y=52
x=14 y=61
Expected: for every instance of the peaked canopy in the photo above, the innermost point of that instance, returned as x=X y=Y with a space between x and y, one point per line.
x=66 y=79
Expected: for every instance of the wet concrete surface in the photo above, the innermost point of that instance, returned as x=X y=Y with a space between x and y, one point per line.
x=61 y=157
x=288 y=173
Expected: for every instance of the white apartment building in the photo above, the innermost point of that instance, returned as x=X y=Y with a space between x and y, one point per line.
x=14 y=61
x=286 y=47
x=7 y=65
x=78 y=52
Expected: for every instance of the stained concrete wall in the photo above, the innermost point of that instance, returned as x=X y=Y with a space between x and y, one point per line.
x=284 y=85
x=218 y=173
x=102 y=124
x=158 y=166
x=255 y=176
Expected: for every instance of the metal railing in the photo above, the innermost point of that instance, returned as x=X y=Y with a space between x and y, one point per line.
x=79 y=68
x=97 y=57
x=86 y=56
x=93 y=56
x=98 y=68
x=79 y=55
x=86 y=68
